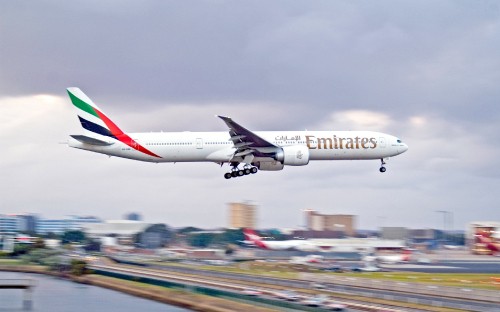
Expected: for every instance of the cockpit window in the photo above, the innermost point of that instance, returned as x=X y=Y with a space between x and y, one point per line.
x=399 y=141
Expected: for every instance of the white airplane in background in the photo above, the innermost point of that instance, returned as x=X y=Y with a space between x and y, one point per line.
x=485 y=238
x=390 y=259
x=264 y=150
x=252 y=238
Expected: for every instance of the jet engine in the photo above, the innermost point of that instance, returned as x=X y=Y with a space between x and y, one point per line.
x=295 y=155
x=269 y=165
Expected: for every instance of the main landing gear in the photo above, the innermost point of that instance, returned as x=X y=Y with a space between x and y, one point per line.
x=235 y=172
x=382 y=168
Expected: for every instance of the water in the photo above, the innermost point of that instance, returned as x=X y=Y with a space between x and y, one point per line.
x=57 y=295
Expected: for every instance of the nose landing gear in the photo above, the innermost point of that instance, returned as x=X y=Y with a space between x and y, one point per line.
x=382 y=168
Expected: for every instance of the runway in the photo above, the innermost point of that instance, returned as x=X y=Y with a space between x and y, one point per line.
x=441 y=261
x=452 y=266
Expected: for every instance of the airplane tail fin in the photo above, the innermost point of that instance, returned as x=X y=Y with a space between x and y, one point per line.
x=251 y=235
x=98 y=126
x=91 y=117
x=487 y=241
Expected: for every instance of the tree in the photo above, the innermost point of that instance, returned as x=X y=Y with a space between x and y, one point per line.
x=188 y=229
x=233 y=236
x=78 y=267
x=73 y=236
x=200 y=240
x=92 y=245
x=21 y=249
x=39 y=243
x=156 y=235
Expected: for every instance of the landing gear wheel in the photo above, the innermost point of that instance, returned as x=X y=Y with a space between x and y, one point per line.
x=253 y=170
x=240 y=173
x=234 y=174
x=247 y=171
x=227 y=175
x=382 y=169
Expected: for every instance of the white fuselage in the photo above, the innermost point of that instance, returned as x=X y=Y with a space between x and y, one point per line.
x=217 y=146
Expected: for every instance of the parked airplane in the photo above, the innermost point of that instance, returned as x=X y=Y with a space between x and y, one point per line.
x=389 y=259
x=252 y=238
x=264 y=150
x=489 y=244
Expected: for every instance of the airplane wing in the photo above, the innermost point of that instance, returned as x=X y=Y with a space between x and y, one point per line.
x=247 y=142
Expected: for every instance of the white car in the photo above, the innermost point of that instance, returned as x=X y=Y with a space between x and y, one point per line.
x=335 y=306
x=311 y=302
x=251 y=292
x=288 y=295
x=315 y=301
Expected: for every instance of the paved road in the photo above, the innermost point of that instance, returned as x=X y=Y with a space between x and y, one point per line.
x=391 y=295
x=449 y=266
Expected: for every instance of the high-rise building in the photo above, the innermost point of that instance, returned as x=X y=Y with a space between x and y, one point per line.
x=242 y=215
x=334 y=222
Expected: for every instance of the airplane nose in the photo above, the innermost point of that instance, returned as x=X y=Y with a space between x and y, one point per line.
x=404 y=148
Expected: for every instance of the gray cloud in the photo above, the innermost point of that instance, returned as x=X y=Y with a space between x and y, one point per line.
x=424 y=71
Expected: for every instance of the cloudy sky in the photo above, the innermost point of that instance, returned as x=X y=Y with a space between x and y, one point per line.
x=426 y=71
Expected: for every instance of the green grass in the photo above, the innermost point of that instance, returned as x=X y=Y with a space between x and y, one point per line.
x=291 y=271
x=11 y=262
x=466 y=280
x=281 y=270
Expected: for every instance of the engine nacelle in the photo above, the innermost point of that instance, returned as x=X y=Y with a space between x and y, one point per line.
x=269 y=165
x=296 y=155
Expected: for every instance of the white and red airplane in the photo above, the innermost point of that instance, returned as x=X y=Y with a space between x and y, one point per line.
x=390 y=259
x=264 y=150
x=252 y=238
x=485 y=239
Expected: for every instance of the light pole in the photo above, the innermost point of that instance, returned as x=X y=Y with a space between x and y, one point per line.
x=447 y=219
x=444 y=212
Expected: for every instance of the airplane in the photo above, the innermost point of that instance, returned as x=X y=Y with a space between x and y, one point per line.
x=389 y=259
x=253 y=239
x=263 y=150
x=489 y=244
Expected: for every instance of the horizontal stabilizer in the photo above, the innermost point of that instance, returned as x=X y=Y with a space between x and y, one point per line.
x=89 y=140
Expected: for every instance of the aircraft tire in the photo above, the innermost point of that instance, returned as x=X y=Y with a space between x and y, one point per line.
x=253 y=170
x=227 y=175
x=241 y=173
x=234 y=174
x=382 y=169
x=247 y=171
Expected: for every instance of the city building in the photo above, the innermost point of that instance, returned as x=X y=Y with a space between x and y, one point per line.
x=27 y=223
x=55 y=226
x=242 y=215
x=394 y=232
x=9 y=224
x=59 y=226
x=124 y=231
x=334 y=222
x=134 y=216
